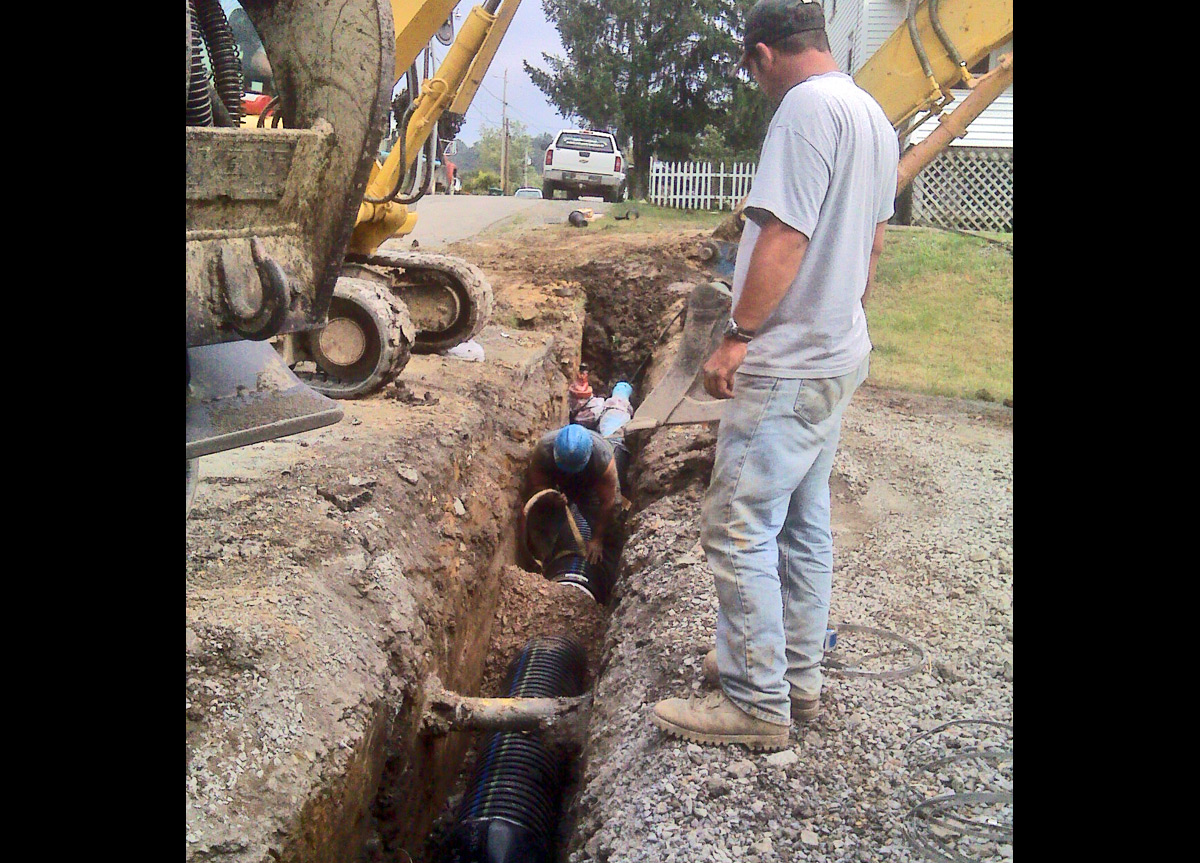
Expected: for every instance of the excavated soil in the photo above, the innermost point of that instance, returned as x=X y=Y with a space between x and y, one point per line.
x=329 y=574
x=620 y=282
x=530 y=605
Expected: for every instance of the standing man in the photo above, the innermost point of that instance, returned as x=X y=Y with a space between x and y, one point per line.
x=795 y=349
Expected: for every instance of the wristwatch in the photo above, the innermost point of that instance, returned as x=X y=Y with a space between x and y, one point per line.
x=733 y=331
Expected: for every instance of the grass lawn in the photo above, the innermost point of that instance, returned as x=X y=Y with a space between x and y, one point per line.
x=651 y=218
x=941 y=315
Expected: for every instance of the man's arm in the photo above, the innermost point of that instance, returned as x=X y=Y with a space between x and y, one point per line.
x=876 y=251
x=773 y=266
x=535 y=479
x=606 y=491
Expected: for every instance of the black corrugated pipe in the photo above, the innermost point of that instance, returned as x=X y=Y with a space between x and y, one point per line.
x=595 y=578
x=557 y=546
x=509 y=811
x=199 y=108
x=224 y=55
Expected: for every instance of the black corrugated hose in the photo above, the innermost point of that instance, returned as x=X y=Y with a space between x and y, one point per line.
x=595 y=578
x=509 y=811
x=224 y=55
x=199 y=108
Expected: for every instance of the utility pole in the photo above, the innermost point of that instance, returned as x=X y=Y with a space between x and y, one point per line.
x=504 y=138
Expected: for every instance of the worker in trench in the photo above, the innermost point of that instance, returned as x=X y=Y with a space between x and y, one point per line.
x=579 y=465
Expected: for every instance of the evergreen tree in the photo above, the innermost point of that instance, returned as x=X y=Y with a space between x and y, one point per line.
x=654 y=71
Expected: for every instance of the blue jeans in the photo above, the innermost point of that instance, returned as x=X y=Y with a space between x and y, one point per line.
x=765 y=530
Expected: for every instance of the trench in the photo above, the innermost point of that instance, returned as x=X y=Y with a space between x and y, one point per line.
x=428 y=808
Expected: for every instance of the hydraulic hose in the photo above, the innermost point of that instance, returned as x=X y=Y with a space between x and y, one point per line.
x=199 y=108
x=402 y=139
x=948 y=44
x=224 y=54
x=430 y=153
x=509 y=810
x=915 y=36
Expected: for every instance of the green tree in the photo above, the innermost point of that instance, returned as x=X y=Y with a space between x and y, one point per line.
x=479 y=182
x=713 y=145
x=490 y=146
x=657 y=71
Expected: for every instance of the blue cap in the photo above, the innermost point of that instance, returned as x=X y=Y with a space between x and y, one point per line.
x=572 y=448
x=622 y=390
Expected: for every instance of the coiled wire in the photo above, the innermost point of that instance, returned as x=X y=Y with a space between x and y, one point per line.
x=224 y=55
x=199 y=107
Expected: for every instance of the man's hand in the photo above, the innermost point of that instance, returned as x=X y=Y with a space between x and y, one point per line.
x=718 y=371
x=558 y=497
x=595 y=549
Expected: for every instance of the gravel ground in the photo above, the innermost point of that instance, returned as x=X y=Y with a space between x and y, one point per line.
x=923 y=536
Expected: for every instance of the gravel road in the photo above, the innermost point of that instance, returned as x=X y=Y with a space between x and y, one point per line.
x=923 y=538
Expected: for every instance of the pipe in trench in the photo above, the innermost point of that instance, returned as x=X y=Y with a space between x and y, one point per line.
x=509 y=811
x=573 y=569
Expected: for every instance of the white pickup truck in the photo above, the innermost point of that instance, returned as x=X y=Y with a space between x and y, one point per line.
x=584 y=163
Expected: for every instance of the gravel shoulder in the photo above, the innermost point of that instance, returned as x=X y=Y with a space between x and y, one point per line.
x=922 y=519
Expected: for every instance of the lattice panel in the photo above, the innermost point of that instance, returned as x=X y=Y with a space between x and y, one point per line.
x=968 y=188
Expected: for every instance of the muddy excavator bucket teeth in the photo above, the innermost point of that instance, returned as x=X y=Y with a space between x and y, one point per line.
x=680 y=398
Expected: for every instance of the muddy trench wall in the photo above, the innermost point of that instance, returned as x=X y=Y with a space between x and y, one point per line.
x=327 y=577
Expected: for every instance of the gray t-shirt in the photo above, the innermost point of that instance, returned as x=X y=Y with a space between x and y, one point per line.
x=827 y=169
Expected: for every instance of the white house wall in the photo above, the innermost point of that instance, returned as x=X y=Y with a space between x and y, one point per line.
x=992 y=128
x=842 y=19
x=880 y=20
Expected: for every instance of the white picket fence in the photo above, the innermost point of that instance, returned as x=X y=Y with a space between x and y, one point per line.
x=697 y=186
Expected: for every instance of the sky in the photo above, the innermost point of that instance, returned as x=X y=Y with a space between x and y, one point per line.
x=528 y=36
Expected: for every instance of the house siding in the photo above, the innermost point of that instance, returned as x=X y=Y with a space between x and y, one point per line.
x=880 y=20
x=842 y=19
x=992 y=128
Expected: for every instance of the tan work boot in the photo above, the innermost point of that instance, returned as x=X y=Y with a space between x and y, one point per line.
x=716 y=719
x=804 y=707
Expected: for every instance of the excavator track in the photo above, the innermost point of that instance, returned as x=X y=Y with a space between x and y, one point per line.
x=366 y=343
x=448 y=299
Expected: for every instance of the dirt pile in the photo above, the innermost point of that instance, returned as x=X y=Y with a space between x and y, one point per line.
x=530 y=605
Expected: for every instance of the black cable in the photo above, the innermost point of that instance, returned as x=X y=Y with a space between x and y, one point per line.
x=224 y=55
x=273 y=105
x=403 y=136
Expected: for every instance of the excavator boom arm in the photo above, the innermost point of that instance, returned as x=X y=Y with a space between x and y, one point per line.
x=453 y=86
x=895 y=74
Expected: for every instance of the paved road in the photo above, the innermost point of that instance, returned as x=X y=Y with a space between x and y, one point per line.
x=449 y=218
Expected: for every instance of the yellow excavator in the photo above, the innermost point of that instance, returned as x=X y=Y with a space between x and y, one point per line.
x=911 y=76
x=285 y=220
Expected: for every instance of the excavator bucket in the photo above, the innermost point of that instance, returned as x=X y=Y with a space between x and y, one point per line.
x=680 y=398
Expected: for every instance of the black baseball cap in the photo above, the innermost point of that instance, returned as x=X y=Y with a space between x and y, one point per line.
x=772 y=20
